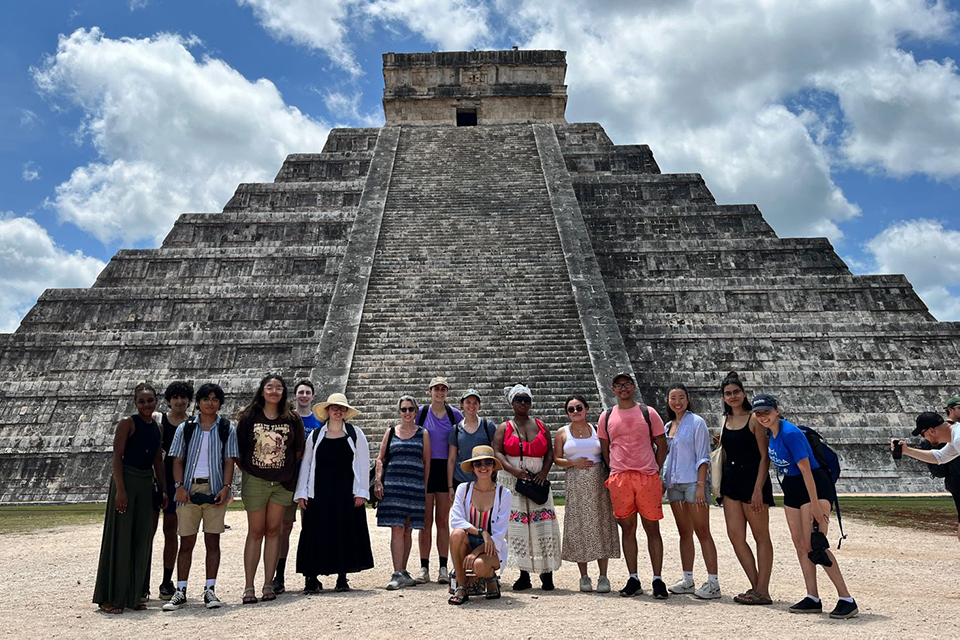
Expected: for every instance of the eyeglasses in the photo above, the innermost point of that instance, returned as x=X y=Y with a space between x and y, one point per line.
x=274 y=389
x=486 y=462
x=730 y=394
x=407 y=409
x=622 y=385
x=576 y=409
x=523 y=400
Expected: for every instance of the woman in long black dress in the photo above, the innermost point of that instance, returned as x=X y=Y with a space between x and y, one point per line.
x=333 y=489
x=127 y=545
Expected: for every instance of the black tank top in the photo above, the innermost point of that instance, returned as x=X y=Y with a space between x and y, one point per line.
x=740 y=448
x=142 y=445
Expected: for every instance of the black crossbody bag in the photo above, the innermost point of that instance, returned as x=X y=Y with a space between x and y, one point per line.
x=539 y=493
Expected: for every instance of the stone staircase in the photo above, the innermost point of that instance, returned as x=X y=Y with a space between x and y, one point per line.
x=469 y=281
x=700 y=289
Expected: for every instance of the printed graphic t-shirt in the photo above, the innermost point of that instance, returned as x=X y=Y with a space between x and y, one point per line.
x=629 y=437
x=310 y=423
x=269 y=448
x=790 y=447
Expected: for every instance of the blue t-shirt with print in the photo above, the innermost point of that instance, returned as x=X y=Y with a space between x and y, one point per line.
x=790 y=447
x=310 y=423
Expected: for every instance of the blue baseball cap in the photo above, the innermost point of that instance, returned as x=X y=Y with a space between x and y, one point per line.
x=763 y=402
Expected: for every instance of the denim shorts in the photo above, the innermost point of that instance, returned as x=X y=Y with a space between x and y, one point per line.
x=686 y=492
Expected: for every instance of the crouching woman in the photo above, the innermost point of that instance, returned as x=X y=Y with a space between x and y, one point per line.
x=478 y=526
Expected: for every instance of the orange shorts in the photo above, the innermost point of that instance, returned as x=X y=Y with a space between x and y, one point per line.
x=634 y=492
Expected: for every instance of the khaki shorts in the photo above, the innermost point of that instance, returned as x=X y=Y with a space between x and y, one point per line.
x=256 y=493
x=189 y=516
x=634 y=492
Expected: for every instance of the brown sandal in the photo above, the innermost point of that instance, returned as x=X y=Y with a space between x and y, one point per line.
x=753 y=597
x=250 y=596
x=111 y=609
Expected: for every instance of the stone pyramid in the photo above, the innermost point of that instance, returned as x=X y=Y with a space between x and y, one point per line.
x=480 y=236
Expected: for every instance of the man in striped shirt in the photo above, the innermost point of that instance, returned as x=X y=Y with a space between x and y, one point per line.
x=204 y=451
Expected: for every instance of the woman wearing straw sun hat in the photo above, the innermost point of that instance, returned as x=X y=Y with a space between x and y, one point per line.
x=478 y=526
x=333 y=487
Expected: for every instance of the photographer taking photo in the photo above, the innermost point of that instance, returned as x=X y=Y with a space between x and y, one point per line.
x=935 y=430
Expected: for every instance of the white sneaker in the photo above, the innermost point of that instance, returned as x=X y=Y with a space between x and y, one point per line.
x=586 y=585
x=395 y=580
x=423 y=577
x=444 y=577
x=708 y=591
x=603 y=584
x=210 y=599
x=683 y=587
x=406 y=580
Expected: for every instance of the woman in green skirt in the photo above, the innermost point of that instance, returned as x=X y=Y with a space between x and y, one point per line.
x=124 y=572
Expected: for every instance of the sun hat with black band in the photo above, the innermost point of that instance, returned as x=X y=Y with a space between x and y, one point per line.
x=481 y=452
x=763 y=402
x=953 y=402
x=338 y=399
x=927 y=420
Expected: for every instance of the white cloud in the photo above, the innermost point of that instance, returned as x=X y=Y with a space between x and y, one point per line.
x=452 y=24
x=29 y=119
x=926 y=252
x=30 y=171
x=31 y=262
x=318 y=24
x=173 y=133
x=346 y=108
x=137 y=4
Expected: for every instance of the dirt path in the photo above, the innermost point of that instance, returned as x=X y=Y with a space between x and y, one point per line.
x=50 y=579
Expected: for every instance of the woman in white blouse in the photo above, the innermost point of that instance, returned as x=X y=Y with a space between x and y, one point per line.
x=687 y=485
x=478 y=527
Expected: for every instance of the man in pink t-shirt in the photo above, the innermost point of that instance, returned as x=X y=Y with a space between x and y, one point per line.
x=635 y=449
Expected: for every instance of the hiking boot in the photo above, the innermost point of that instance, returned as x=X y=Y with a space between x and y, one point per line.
x=807 y=605
x=632 y=588
x=708 y=591
x=278 y=586
x=682 y=587
x=546 y=581
x=444 y=576
x=210 y=599
x=844 y=610
x=586 y=584
x=523 y=582
x=178 y=599
x=603 y=584
x=167 y=590
x=423 y=576
x=406 y=580
x=660 y=589
x=312 y=585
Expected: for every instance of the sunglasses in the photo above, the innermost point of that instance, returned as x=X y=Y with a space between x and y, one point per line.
x=335 y=407
x=486 y=462
x=523 y=400
x=407 y=409
x=576 y=409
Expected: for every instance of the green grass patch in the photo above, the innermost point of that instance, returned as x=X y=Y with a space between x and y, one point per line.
x=926 y=514
x=40 y=518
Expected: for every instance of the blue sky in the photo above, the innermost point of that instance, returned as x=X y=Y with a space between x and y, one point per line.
x=838 y=118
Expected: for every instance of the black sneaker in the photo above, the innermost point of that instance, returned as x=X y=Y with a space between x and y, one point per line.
x=312 y=585
x=342 y=584
x=278 y=586
x=546 y=581
x=808 y=605
x=167 y=590
x=660 y=590
x=844 y=610
x=523 y=582
x=178 y=600
x=632 y=588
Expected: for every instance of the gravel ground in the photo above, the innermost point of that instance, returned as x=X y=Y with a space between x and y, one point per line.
x=905 y=582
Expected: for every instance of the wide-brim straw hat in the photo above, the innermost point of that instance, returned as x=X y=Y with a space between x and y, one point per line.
x=320 y=410
x=481 y=452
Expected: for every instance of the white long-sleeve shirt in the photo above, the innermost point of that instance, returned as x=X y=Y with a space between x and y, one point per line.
x=361 y=465
x=499 y=518
x=950 y=450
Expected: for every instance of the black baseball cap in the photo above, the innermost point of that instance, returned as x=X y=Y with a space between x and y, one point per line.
x=927 y=420
x=763 y=402
x=623 y=374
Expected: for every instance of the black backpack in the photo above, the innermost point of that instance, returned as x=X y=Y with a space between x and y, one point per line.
x=422 y=415
x=829 y=461
x=223 y=430
x=644 y=409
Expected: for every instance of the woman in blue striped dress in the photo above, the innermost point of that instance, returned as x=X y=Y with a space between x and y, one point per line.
x=403 y=467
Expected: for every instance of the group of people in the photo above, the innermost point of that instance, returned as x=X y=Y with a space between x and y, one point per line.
x=483 y=487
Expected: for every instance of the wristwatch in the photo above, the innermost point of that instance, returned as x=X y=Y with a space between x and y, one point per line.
x=177 y=485
x=479 y=531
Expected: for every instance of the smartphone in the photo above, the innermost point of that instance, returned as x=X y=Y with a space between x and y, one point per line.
x=898 y=450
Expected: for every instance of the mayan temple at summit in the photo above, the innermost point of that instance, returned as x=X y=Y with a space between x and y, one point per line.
x=481 y=236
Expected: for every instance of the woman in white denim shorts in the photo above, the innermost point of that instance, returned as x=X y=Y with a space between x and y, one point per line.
x=686 y=482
